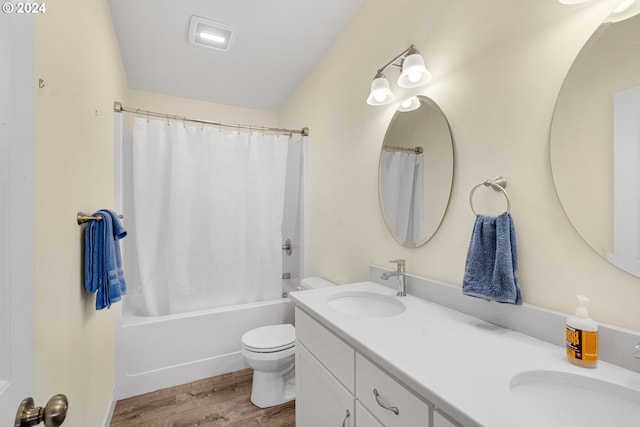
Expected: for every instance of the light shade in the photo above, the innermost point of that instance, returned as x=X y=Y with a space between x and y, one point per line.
x=624 y=5
x=414 y=73
x=207 y=33
x=409 y=104
x=380 y=91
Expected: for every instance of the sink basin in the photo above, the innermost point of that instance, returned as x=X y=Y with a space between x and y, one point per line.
x=368 y=304
x=553 y=398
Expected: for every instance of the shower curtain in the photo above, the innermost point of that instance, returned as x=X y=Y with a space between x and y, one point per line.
x=208 y=208
x=402 y=189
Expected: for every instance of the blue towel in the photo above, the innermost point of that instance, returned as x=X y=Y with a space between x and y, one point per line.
x=491 y=271
x=103 y=263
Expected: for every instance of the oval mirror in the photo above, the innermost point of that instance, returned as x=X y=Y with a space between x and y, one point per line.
x=415 y=173
x=595 y=143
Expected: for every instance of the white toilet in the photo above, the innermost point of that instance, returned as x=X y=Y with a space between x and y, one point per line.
x=270 y=351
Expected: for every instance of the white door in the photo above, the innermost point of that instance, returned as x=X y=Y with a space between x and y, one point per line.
x=17 y=275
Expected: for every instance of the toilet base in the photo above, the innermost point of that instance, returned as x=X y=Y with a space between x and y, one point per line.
x=273 y=388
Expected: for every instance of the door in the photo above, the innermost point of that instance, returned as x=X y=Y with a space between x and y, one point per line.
x=17 y=272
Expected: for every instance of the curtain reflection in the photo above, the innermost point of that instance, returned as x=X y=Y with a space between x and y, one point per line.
x=402 y=181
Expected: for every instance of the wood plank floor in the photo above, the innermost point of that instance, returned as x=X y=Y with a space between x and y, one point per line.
x=218 y=401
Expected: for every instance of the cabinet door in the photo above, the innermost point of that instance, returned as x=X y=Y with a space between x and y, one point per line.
x=321 y=401
x=364 y=417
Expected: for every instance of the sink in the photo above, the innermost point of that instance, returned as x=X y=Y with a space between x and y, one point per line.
x=368 y=304
x=554 y=398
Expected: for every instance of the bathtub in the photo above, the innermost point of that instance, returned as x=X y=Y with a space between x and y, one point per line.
x=164 y=351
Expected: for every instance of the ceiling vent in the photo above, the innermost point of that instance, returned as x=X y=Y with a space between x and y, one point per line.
x=208 y=33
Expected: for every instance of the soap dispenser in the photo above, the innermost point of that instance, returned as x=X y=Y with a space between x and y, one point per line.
x=582 y=337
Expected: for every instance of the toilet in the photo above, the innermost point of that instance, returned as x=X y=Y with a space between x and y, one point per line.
x=270 y=351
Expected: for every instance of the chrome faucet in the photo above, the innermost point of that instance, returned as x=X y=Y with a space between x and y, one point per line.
x=637 y=352
x=402 y=286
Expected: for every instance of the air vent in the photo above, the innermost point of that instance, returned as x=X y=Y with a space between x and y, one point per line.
x=207 y=33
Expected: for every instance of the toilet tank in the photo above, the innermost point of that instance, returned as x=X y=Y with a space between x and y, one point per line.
x=314 y=283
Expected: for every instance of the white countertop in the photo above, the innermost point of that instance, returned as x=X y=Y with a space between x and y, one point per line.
x=460 y=363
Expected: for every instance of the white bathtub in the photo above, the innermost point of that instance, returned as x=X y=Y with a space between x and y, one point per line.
x=164 y=351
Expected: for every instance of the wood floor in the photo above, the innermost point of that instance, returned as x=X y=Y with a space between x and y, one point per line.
x=218 y=401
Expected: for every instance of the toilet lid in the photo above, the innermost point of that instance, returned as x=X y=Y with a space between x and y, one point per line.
x=270 y=338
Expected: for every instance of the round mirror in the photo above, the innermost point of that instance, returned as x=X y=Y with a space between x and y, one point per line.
x=595 y=143
x=415 y=172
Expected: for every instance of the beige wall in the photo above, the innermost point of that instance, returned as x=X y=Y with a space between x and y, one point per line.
x=199 y=109
x=498 y=66
x=77 y=56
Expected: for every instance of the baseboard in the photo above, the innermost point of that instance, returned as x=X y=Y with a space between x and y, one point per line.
x=110 y=409
x=145 y=382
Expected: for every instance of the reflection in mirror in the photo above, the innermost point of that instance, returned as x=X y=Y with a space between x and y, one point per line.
x=594 y=143
x=415 y=173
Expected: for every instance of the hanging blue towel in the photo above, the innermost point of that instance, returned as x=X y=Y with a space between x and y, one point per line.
x=491 y=271
x=103 y=263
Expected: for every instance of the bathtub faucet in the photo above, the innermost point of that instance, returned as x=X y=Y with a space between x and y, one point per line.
x=399 y=273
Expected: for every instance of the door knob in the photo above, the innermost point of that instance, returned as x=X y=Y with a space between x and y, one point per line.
x=53 y=414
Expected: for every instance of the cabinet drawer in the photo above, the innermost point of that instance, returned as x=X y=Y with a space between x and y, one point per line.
x=411 y=411
x=330 y=350
x=440 y=420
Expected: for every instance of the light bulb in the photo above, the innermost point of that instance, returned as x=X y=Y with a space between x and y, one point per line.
x=379 y=96
x=626 y=4
x=414 y=77
x=212 y=37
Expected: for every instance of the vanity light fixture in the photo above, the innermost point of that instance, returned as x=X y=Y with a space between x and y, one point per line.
x=409 y=104
x=622 y=6
x=380 y=91
x=413 y=74
x=207 y=33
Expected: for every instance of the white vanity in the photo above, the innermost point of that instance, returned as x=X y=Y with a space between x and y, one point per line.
x=365 y=362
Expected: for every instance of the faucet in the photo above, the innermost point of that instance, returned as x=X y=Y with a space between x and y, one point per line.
x=402 y=287
x=637 y=352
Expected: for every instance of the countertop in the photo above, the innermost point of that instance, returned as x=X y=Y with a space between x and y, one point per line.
x=459 y=363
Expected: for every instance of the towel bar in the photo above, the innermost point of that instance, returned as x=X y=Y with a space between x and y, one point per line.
x=85 y=217
x=498 y=184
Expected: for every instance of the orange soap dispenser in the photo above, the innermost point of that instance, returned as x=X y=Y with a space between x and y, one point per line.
x=582 y=337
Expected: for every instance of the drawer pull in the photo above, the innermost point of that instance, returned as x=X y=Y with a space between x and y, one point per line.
x=393 y=409
x=346 y=417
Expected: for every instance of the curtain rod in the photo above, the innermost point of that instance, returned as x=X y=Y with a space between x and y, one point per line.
x=118 y=108
x=417 y=150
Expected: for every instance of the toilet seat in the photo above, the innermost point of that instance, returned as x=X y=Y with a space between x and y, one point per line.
x=270 y=339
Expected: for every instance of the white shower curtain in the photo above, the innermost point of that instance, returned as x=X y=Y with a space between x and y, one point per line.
x=402 y=189
x=208 y=214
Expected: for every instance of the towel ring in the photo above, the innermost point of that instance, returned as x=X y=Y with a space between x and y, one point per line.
x=498 y=184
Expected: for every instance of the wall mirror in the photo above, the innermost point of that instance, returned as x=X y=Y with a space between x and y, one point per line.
x=415 y=172
x=595 y=143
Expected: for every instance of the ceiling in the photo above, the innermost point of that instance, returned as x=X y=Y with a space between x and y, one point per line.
x=276 y=44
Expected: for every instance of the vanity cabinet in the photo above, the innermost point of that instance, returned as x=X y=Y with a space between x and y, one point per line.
x=325 y=371
x=332 y=378
x=321 y=400
x=386 y=399
x=440 y=420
